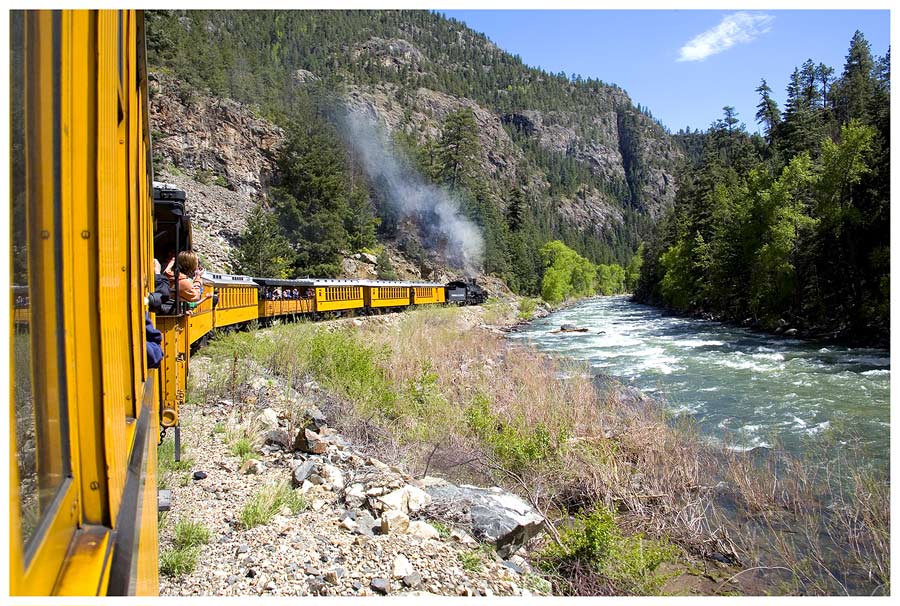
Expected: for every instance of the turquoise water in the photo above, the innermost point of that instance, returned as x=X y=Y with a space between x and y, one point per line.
x=749 y=388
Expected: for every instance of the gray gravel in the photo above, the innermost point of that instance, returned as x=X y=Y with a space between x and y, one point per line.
x=321 y=550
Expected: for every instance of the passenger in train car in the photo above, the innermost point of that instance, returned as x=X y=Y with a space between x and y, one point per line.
x=169 y=272
x=154 y=343
x=161 y=294
x=189 y=284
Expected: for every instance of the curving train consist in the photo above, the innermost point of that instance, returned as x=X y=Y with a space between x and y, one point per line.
x=86 y=411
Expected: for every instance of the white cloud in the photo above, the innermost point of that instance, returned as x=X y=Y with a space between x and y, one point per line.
x=734 y=29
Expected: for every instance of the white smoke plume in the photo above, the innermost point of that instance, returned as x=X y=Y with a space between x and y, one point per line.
x=435 y=210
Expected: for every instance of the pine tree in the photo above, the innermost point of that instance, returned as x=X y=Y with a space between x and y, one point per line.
x=263 y=251
x=856 y=86
x=767 y=112
x=459 y=147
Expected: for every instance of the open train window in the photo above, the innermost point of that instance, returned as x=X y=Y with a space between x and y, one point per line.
x=37 y=347
x=172 y=226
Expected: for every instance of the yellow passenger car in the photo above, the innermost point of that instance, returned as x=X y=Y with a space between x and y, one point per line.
x=382 y=294
x=235 y=299
x=428 y=292
x=83 y=405
x=338 y=295
x=279 y=298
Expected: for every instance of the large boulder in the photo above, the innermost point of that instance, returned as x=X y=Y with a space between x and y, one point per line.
x=494 y=515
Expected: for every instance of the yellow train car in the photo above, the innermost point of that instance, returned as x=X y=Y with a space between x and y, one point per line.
x=200 y=316
x=83 y=402
x=235 y=299
x=279 y=298
x=172 y=234
x=380 y=294
x=424 y=293
x=338 y=295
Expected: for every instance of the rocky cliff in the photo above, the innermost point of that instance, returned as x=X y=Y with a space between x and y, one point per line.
x=595 y=168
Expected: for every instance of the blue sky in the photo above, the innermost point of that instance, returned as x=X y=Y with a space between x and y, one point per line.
x=684 y=65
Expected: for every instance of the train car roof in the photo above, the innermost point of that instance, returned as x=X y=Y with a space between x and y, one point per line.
x=381 y=283
x=282 y=282
x=321 y=282
x=227 y=279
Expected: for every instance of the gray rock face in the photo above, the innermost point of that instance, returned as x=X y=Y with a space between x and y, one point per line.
x=495 y=515
x=382 y=586
x=280 y=438
x=304 y=470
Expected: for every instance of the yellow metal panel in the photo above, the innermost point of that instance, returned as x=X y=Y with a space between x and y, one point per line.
x=134 y=173
x=87 y=565
x=113 y=288
x=173 y=368
x=428 y=294
x=200 y=324
x=235 y=315
x=335 y=298
x=147 y=582
x=83 y=348
x=43 y=570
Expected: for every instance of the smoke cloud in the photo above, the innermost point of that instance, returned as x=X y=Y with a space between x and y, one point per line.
x=437 y=212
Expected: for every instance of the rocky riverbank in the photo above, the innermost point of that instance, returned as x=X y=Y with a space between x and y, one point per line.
x=362 y=527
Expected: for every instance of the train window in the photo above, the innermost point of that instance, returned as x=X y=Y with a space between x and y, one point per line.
x=38 y=367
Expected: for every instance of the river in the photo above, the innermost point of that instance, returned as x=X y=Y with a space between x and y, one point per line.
x=752 y=388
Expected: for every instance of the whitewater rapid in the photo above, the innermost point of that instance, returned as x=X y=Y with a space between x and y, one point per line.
x=747 y=388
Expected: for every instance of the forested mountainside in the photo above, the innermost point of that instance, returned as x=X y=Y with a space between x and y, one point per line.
x=791 y=229
x=527 y=156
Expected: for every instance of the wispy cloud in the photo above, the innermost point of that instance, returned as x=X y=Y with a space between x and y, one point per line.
x=734 y=29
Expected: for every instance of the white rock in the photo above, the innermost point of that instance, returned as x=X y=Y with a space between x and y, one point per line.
x=349 y=524
x=268 y=419
x=402 y=567
x=394 y=501
x=416 y=498
x=356 y=490
x=394 y=521
x=333 y=476
x=423 y=530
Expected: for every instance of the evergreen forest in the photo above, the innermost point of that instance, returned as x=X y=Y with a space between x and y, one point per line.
x=296 y=66
x=789 y=227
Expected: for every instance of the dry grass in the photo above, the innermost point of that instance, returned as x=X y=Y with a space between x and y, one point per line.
x=432 y=393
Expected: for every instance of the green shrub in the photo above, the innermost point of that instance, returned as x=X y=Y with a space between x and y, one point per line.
x=594 y=542
x=191 y=534
x=526 y=308
x=343 y=364
x=242 y=448
x=176 y=562
x=442 y=529
x=471 y=561
x=515 y=447
x=265 y=504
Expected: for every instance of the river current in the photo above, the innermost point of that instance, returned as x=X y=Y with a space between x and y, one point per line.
x=751 y=388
